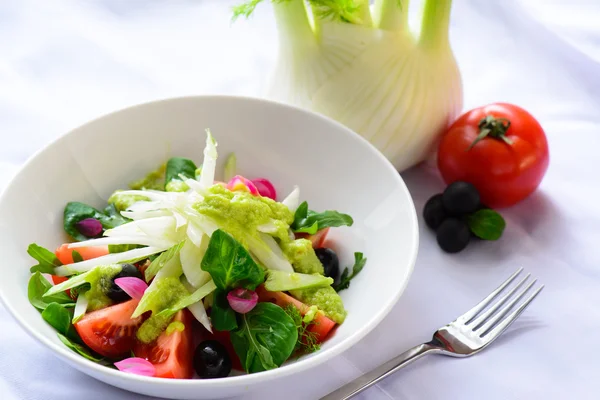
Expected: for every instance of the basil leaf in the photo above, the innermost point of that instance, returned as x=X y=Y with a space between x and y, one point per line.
x=266 y=338
x=46 y=259
x=76 y=211
x=82 y=351
x=309 y=221
x=222 y=315
x=346 y=277
x=37 y=286
x=177 y=166
x=486 y=224
x=229 y=264
x=60 y=319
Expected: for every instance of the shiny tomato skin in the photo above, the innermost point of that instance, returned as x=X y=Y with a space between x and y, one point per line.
x=504 y=174
x=172 y=353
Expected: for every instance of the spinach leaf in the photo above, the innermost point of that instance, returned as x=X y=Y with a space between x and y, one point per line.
x=177 y=166
x=309 y=221
x=76 y=256
x=266 y=338
x=359 y=263
x=222 y=315
x=486 y=224
x=38 y=285
x=83 y=351
x=76 y=211
x=229 y=264
x=60 y=319
x=46 y=259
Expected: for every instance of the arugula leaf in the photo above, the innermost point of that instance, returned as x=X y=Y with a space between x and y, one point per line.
x=76 y=211
x=222 y=315
x=486 y=224
x=359 y=263
x=310 y=222
x=46 y=259
x=38 y=286
x=83 y=351
x=229 y=263
x=177 y=166
x=266 y=338
x=60 y=319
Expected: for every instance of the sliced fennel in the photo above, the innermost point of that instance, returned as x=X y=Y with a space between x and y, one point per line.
x=80 y=306
x=207 y=176
x=364 y=68
x=230 y=167
x=278 y=281
x=191 y=260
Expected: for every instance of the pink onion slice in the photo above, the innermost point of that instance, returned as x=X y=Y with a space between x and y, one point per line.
x=242 y=300
x=265 y=188
x=136 y=365
x=239 y=183
x=134 y=287
x=89 y=227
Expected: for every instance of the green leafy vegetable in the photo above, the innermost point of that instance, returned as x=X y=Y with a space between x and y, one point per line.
x=222 y=315
x=310 y=222
x=120 y=248
x=359 y=263
x=82 y=351
x=486 y=224
x=76 y=256
x=266 y=338
x=229 y=263
x=76 y=211
x=60 y=319
x=46 y=259
x=38 y=286
x=308 y=342
x=281 y=281
x=159 y=262
x=180 y=166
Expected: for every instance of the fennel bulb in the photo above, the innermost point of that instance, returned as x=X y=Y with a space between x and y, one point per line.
x=361 y=66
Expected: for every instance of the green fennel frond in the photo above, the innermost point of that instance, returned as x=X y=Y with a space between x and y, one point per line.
x=307 y=341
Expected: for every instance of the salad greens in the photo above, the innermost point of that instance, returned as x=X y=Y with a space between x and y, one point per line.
x=308 y=221
x=347 y=276
x=229 y=263
x=46 y=259
x=266 y=338
x=183 y=244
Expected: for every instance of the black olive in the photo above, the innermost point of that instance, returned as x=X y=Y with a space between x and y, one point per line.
x=460 y=198
x=115 y=293
x=330 y=261
x=211 y=360
x=434 y=212
x=453 y=235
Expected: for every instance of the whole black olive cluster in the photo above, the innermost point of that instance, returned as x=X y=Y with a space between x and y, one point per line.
x=446 y=213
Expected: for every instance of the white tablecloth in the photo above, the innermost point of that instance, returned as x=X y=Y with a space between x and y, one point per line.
x=65 y=62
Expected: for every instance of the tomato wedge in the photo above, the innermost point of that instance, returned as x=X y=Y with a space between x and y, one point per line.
x=318 y=239
x=65 y=254
x=322 y=325
x=171 y=354
x=110 y=331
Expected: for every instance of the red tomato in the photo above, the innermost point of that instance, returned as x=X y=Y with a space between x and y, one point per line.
x=322 y=325
x=110 y=331
x=171 y=354
x=65 y=254
x=317 y=239
x=505 y=166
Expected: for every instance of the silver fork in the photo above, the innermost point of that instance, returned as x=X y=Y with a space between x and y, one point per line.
x=467 y=335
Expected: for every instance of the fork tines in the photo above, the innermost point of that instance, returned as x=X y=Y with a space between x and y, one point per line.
x=491 y=322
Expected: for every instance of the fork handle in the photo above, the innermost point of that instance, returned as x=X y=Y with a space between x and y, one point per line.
x=376 y=375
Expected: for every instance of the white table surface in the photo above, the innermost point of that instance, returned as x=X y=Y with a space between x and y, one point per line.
x=65 y=62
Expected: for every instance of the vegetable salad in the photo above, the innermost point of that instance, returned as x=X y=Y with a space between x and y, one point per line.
x=184 y=276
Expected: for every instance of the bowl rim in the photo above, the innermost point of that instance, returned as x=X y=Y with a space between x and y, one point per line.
x=247 y=380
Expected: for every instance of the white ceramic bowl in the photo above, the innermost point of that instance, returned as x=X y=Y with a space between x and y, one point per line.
x=334 y=168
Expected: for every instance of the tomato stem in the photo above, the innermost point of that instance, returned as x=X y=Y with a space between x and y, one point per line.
x=493 y=127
